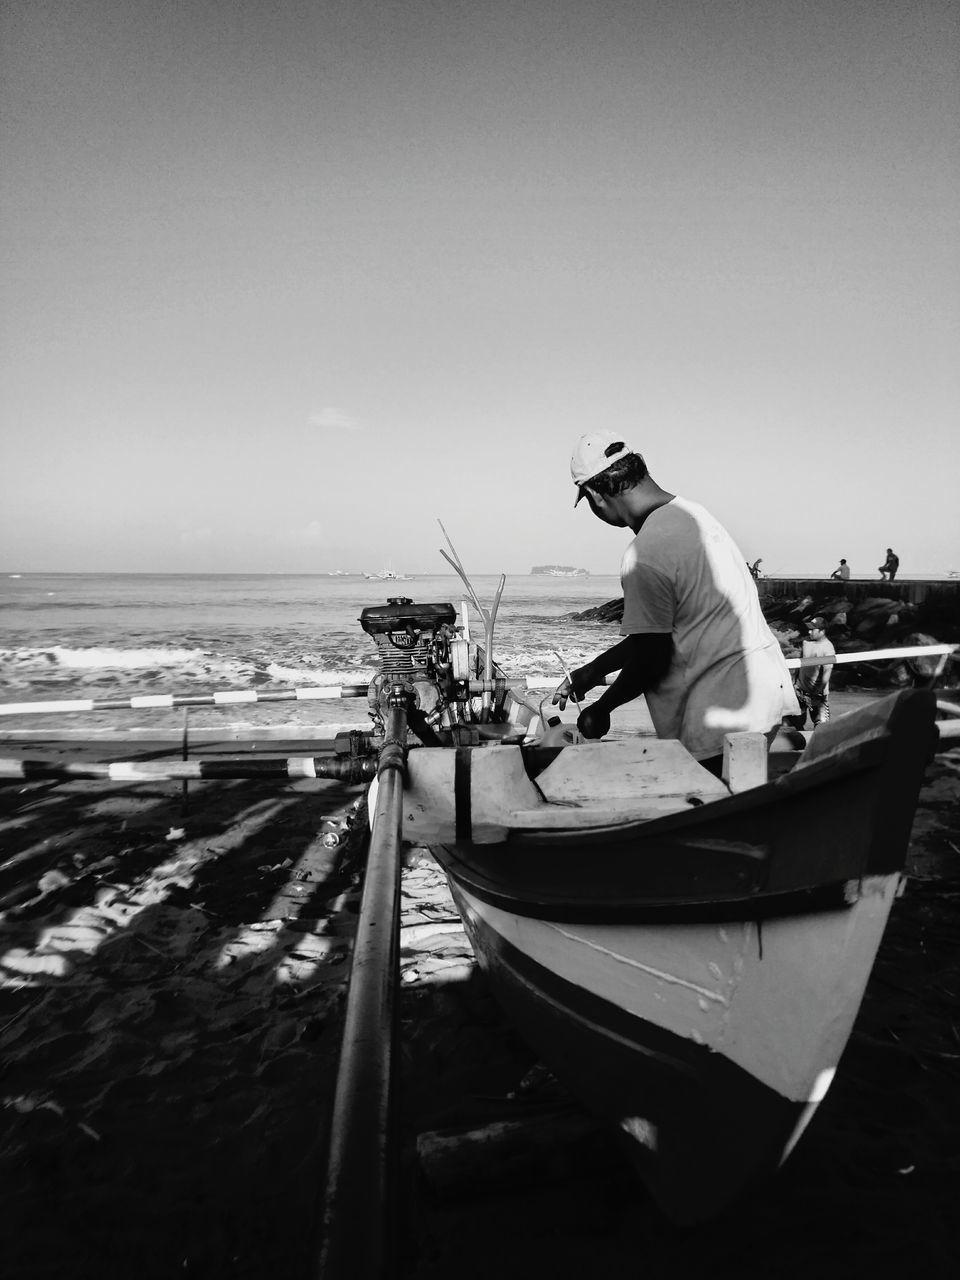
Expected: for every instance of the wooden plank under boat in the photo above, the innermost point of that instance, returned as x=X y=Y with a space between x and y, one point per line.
x=688 y=961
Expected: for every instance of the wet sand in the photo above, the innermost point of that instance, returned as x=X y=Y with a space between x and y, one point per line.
x=173 y=977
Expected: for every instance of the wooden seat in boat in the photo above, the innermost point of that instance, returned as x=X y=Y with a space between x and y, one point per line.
x=488 y=792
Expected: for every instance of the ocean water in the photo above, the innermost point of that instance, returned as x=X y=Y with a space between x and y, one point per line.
x=66 y=636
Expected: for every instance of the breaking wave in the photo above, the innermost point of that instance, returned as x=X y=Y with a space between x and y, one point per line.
x=123 y=659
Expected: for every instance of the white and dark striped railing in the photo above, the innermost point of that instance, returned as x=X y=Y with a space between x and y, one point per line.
x=344 y=768
x=157 y=701
x=876 y=655
x=228 y=697
x=868 y=655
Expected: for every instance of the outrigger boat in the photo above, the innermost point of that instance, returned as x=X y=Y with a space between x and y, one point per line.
x=688 y=961
x=687 y=953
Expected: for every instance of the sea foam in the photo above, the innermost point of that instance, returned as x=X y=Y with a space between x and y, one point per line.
x=124 y=659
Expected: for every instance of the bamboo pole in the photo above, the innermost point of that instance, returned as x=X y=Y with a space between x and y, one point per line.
x=355 y=1216
x=487 y=616
x=874 y=655
x=155 y=701
x=826 y=660
x=344 y=768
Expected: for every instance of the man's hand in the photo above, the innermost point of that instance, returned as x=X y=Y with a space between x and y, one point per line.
x=593 y=722
x=581 y=681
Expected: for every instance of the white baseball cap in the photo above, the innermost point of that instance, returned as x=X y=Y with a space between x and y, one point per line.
x=593 y=453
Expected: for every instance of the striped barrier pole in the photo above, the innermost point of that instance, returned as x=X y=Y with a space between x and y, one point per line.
x=346 y=769
x=875 y=655
x=228 y=697
x=872 y=655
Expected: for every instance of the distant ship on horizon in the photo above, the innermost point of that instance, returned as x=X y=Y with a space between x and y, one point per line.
x=387 y=575
x=560 y=571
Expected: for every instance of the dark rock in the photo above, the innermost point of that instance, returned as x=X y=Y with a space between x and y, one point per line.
x=612 y=611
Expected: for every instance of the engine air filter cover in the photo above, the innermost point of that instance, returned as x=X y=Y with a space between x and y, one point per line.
x=402 y=622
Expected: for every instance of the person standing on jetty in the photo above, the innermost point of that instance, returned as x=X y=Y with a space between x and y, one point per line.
x=842 y=571
x=812 y=683
x=695 y=640
x=888 y=570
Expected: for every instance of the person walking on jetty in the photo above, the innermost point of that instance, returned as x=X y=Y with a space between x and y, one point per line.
x=812 y=683
x=695 y=641
x=842 y=571
x=888 y=570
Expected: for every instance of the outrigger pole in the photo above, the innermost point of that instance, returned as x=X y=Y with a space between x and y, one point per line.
x=344 y=768
x=355 y=1220
x=226 y=697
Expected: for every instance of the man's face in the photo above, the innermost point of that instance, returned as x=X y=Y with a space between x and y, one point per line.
x=605 y=509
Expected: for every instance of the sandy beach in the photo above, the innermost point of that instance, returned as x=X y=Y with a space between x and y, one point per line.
x=173 y=975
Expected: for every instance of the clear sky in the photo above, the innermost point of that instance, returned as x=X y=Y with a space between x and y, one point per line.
x=284 y=281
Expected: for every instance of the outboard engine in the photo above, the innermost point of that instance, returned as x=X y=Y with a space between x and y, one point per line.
x=422 y=649
x=413 y=641
x=411 y=637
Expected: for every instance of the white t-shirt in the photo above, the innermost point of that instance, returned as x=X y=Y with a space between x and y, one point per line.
x=684 y=574
x=810 y=677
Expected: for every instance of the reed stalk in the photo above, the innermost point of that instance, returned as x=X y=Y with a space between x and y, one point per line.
x=488 y=617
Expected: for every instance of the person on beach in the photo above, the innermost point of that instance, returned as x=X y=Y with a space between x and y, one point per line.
x=888 y=570
x=812 y=683
x=842 y=571
x=695 y=641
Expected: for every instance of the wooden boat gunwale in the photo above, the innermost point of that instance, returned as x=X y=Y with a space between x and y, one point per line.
x=755 y=855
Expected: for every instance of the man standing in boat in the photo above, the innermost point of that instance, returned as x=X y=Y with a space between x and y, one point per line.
x=695 y=641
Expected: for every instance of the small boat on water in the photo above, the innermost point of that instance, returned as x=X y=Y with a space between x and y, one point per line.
x=387 y=575
x=559 y=571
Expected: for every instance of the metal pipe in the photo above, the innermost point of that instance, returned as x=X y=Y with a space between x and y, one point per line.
x=355 y=1217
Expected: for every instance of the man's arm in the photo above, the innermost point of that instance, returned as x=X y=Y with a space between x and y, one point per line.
x=643 y=661
x=826 y=671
